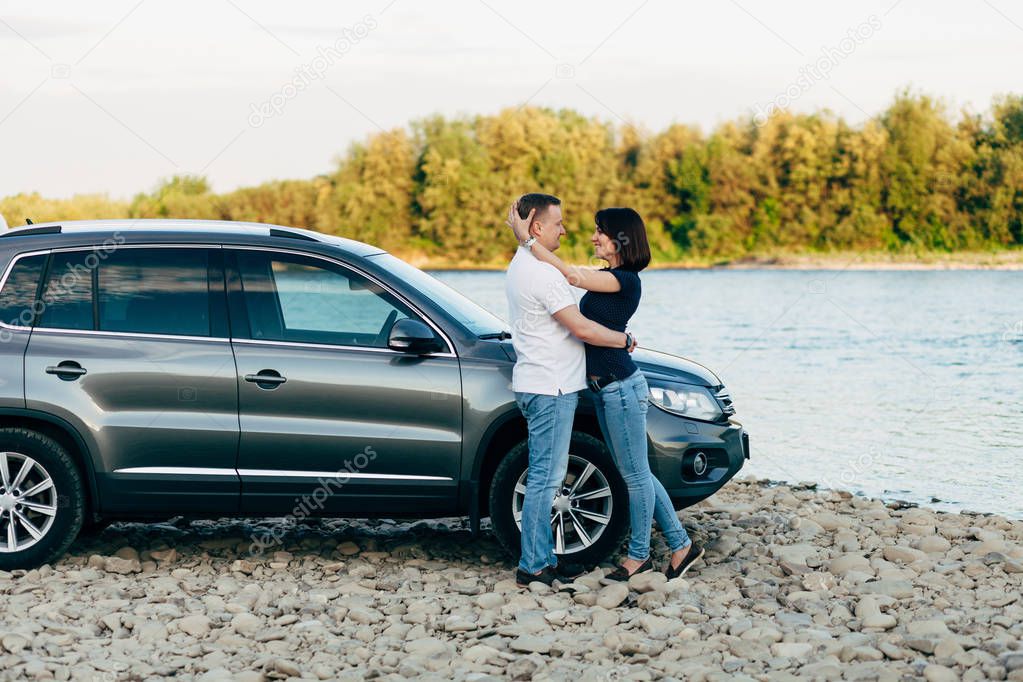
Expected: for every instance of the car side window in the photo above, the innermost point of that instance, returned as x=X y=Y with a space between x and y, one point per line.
x=18 y=297
x=67 y=296
x=305 y=300
x=161 y=291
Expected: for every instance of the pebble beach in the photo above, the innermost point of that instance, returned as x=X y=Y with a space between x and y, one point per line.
x=797 y=583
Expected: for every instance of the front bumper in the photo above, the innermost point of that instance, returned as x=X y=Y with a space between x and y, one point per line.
x=675 y=444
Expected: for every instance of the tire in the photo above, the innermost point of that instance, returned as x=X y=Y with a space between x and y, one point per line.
x=604 y=539
x=55 y=512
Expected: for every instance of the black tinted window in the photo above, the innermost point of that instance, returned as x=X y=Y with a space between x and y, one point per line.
x=67 y=298
x=155 y=291
x=290 y=298
x=19 y=292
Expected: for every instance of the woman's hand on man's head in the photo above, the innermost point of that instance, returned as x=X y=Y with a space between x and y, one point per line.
x=519 y=225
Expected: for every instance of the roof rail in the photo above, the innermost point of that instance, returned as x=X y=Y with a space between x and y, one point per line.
x=277 y=232
x=27 y=231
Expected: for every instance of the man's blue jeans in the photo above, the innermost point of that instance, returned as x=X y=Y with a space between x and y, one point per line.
x=621 y=410
x=549 y=418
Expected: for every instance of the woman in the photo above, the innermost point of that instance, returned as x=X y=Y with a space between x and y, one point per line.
x=621 y=394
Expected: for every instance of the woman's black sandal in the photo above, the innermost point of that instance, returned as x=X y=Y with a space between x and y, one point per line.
x=621 y=575
x=695 y=552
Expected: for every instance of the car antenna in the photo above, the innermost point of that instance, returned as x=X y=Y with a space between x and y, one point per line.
x=28 y=221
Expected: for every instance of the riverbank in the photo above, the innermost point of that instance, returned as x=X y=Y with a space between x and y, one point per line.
x=797 y=583
x=995 y=260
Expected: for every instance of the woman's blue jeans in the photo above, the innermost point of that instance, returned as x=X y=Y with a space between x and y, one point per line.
x=621 y=411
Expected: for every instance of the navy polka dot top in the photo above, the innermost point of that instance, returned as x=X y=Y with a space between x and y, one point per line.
x=613 y=310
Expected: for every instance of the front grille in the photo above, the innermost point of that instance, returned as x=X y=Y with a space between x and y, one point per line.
x=724 y=399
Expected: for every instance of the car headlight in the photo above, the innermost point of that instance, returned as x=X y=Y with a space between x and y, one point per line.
x=686 y=400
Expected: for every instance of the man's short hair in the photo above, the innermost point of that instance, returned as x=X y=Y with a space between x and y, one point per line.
x=527 y=202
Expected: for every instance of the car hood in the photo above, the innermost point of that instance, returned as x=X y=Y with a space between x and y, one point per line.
x=657 y=365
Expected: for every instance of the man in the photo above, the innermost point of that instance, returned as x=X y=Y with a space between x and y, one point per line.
x=548 y=333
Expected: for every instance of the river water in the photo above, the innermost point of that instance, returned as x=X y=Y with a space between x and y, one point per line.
x=895 y=384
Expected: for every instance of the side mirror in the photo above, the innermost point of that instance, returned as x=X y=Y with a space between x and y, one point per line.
x=412 y=336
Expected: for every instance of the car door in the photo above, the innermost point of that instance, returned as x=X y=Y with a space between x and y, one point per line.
x=131 y=347
x=332 y=420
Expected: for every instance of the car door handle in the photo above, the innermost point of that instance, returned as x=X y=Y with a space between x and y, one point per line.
x=67 y=370
x=267 y=379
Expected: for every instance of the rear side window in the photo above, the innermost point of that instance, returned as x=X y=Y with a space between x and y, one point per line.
x=17 y=298
x=67 y=297
x=155 y=291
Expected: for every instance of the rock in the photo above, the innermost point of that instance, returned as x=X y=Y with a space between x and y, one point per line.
x=796 y=650
x=288 y=668
x=794 y=554
x=869 y=613
x=524 y=668
x=939 y=673
x=246 y=623
x=891 y=651
x=629 y=644
x=1011 y=660
x=481 y=653
x=348 y=548
x=830 y=521
x=602 y=619
x=849 y=562
x=365 y=616
x=933 y=544
x=928 y=628
x=658 y=627
x=899 y=589
x=647 y=582
x=879 y=620
x=902 y=555
x=920 y=643
x=196 y=626
x=612 y=595
x=531 y=645
x=489 y=601
x=243 y=566
x=14 y=643
x=120 y=565
x=818 y=581
x=458 y=623
x=165 y=555
x=429 y=647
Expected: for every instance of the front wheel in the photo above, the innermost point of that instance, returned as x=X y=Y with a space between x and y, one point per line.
x=590 y=515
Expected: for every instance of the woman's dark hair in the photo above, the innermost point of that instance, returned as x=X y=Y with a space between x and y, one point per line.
x=625 y=227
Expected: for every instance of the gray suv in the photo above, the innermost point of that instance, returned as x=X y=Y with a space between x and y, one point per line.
x=207 y=369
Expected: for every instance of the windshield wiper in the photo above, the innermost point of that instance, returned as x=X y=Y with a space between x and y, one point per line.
x=500 y=336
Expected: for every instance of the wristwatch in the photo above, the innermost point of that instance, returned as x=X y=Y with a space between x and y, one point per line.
x=628 y=340
x=529 y=242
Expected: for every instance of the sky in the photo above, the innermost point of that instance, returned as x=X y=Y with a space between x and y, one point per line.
x=111 y=97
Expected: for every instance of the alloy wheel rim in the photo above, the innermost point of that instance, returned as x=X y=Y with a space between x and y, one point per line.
x=28 y=502
x=582 y=508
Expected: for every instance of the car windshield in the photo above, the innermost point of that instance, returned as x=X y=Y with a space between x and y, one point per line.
x=476 y=319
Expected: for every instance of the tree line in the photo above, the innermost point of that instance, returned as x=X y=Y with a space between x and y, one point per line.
x=912 y=178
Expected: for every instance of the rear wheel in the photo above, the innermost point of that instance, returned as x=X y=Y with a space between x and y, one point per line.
x=590 y=515
x=42 y=503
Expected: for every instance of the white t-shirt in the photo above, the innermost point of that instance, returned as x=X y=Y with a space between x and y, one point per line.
x=550 y=359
